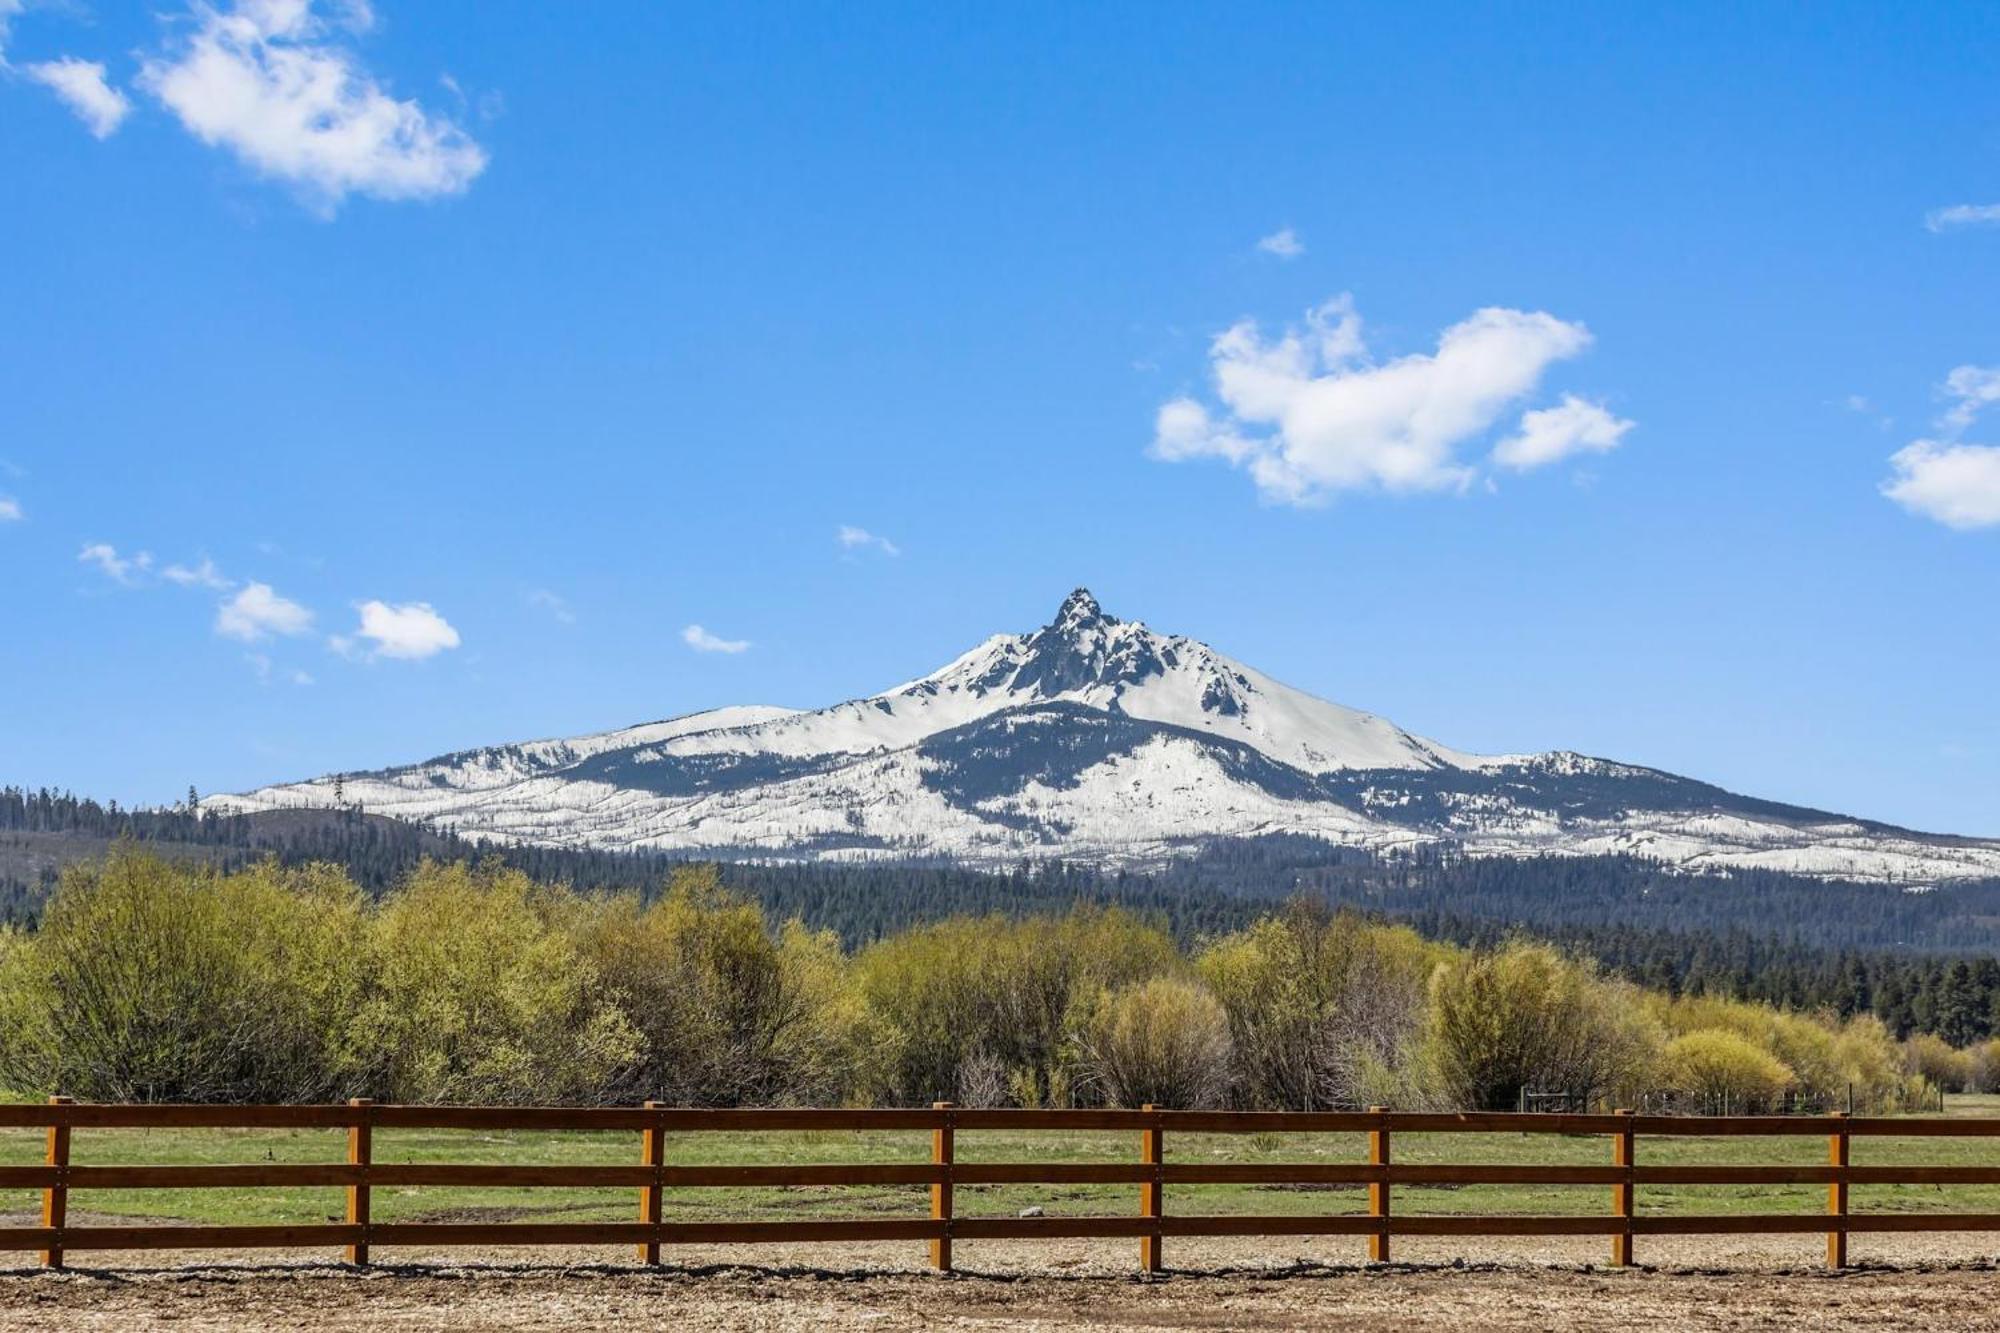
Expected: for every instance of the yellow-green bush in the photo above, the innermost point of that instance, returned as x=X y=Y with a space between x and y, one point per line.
x=151 y=981
x=480 y=995
x=991 y=1000
x=1525 y=1017
x=1162 y=1042
x=154 y=980
x=1323 y=1009
x=727 y=1013
x=1723 y=1069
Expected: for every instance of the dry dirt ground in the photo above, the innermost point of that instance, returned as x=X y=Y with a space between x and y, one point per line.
x=1933 y=1283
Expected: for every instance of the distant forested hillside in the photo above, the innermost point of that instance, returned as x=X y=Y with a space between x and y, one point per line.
x=1922 y=961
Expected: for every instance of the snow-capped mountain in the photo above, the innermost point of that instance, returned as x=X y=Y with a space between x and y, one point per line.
x=1098 y=739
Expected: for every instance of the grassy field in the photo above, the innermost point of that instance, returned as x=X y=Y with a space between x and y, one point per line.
x=286 y=1205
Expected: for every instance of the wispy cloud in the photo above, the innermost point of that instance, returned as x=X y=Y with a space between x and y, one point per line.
x=10 y=510
x=1308 y=414
x=274 y=83
x=83 y=89
x=699 y=639
x=1963 y=215
x=1284 y=243
x=408 y=632
x=117 y=568
x=257 y=612
x=203 y=575
x=1971 y=390
x=852 y=538
x=267 y=670
x=558 y=609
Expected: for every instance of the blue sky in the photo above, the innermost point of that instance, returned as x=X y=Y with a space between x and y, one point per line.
x=482 y=351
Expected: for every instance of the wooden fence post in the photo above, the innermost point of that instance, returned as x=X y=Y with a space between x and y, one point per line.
x=360 y=1152
x=1836 y=1194
x=652 y=1198
x=55 y=1199
x=1153 y=1191
x=1378 y=1189
x=943 y=1150
x=1622 y=1155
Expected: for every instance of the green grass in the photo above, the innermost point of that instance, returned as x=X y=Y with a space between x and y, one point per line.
x=285 y=1205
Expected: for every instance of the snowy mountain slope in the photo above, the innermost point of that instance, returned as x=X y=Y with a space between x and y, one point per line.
x=1098 y=739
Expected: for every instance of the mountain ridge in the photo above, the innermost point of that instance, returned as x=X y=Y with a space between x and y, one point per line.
x=1099 y=740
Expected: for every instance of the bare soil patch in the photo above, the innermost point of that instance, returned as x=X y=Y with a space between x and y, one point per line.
x=1699 y=1283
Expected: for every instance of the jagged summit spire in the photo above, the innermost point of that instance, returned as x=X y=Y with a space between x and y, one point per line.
x=1078 y=610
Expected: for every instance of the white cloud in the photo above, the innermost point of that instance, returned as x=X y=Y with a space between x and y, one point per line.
x=267 y=80
x=411 y=632
x=544 y=600
x=1955 y=484
x=10 y=510
x=1963 y=215
x=1309 y=414
x=1284 y=243
x=301 y=677
x=1973 y=389
x=702 y=641
x=203 y=575
x=117 y=568
x=1958 y=485
x=851 y=538
x=1552 y=434
x=257 y=612
x=82 y=87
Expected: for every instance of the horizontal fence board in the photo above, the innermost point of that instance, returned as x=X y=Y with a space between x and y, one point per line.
x=207 y=1237
x=1006 y=1118
x=1259 y=1173
x=740 y=1120
x=1053 y=1228
x=1503 y=1225
x=174 y=1115
x=577 y=1118
x=1923 y=1222
x=1923 y=1175
x=448 y=1234
x=26 y=1238
x=1267 y=1122
x=27 y=1177
x=1731 y=1126
x=1734 y=1224
x=1927 y=1127
x=1322 y=1224
x=861 y=1173
x=1505 y=1122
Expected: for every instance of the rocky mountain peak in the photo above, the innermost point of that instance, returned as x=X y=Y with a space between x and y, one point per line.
x=1080 y=611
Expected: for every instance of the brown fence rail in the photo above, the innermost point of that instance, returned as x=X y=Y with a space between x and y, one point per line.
x=1153 y=1172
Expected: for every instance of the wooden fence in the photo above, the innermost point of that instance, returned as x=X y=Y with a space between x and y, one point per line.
x=1153 y=1172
